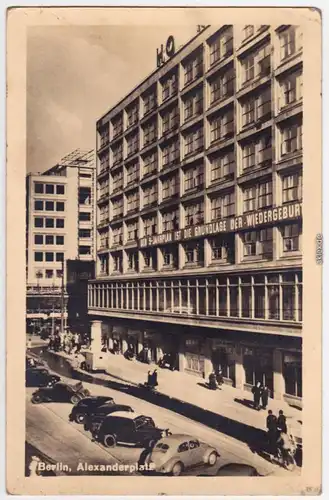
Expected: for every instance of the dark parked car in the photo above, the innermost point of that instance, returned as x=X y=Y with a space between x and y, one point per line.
x=88 y=406
x=237 y=470
x=40 y=377
x=126 y=428
x=60 y=392
x=97 y=417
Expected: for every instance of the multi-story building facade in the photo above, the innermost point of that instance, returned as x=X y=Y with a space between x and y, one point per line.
x=59 y=226
x=199 y=225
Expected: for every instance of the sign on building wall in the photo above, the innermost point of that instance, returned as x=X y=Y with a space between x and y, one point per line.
x=165 y=53
x=252 y=220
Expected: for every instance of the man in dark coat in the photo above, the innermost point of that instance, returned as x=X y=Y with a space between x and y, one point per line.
x=272 y=431
x=154 y=378
x=257 y=390
x=265 y=397
x=282 y=422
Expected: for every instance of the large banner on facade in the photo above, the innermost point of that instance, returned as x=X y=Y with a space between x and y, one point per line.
x=243 y=222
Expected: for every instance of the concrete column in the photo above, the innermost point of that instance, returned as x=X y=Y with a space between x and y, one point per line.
x=159 y=353
x=208 y=368
x=96 y=336
x=181 y=361
x=160 y=261
x=207 y=253
x=278 y=380
x=240 y=376
x=181 y=256
x=139 y=342
x=124 y=345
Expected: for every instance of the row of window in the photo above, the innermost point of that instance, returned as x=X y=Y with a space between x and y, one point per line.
x=256 y=63
x=42 y=188
x=48 y=239
x=255 y=150
x=48 y=273
x=272 y=297
x=255 y=244
x=49 y=222
x=254 y=197
x=48 y=256
x=49 y=206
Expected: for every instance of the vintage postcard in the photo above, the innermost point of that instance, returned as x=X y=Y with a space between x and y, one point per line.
x=164 y=251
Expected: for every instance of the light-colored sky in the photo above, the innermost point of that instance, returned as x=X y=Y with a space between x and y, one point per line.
x=75 y=74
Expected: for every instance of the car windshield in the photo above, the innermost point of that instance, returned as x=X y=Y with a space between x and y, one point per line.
x=144 y=422
x=161 y=447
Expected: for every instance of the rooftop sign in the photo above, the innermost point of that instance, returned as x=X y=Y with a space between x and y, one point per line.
x=165 y=53
x=249 y=221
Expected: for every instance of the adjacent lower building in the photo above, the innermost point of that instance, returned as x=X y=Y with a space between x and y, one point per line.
x=59 y=226
x=199 y=209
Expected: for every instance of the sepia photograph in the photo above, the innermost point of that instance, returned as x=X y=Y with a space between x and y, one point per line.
x=165 y=247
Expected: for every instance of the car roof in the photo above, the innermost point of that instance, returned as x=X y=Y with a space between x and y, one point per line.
x=127 y=415
x=178 y=438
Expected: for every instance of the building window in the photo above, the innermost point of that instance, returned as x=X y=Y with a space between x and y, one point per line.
x=194 y=141
x=170 y=220
x=117 y=207
x=170 y=120
x=170 y=256
x=193 y=178
x=194 y=214
x=84 y=196
x=38 y=239
x=117 y=236
x=257 y=154
x=84 y=250
x=132 y=144
x=50 y=188
x=60 y=223
x=223 y=206
x=59 y=240
x=132 y=115
x=249 y=156
x=193 y=105
x=291 y=188
x=49 y=206
x=117 y=262
x=222 y=167
x=150 y=260
x=257 y=64
x=222 y=127
x=219 y=248
x=257 y=197
x=84 y=216
x=194 y=253
x=150 y=195
x=117 y=124
x=291 y=139
x=291 y=237
x=259 y=295
x=60 y=189
x=149 y=101
x=38 y=256
x=38 y=222
x=258 y=243
x=59 y=257
x=248 y=31
x=49 y=239
x=150 y=163
x=104 y=240
x=133 y=201
x=291 y=90
x=104 y=135
x=133 y=261
x=288 y=297
x=150 y=132
x=117 y=181
x=132 y=231
x=84 y=233
x=38 y=205
x=132 y=172
x=293 y=373
x=221 y=47
x=150 y=226
x=249 y=68
x=49 y=273
x=104 y=264
x=290 y=42
x=38 y=187
x=170 y=154
x=49 y=222
x=49 y=257
x=193 y=68
x=169 y=86
x=170 y=187
x=117 y=155
x=222 y=86
x=60 y=206
x=257 y=108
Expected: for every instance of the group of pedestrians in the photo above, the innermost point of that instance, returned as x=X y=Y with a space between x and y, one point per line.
x=279 y=439
x=261 y=394
x=152 y=379
x=66 y=341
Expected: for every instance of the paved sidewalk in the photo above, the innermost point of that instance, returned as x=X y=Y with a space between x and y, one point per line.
x=228 y=402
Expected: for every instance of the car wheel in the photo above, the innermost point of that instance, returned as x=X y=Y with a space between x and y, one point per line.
x=36 y=399
x=109 y=441
x=177 y=469
x=75 y=399
x=212 y=459
x=80 y=418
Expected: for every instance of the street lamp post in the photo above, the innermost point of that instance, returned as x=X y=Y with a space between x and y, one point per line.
x=62 y=298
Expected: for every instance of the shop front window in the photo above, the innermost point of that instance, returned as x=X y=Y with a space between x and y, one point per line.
x=259 y=293
x=292 y=373
x=288 y=298
x=246 y=297
x=234 y=296
x=258 y=367
x=273 y=297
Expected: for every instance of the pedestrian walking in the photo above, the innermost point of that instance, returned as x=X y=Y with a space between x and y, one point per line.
x=282 y=422
x=264 y=397
x=272 y=431
x=257 y=390
x=155 y=378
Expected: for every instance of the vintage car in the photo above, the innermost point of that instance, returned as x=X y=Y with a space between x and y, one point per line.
x=235 y=469
x=127 y=428
x=95 y=419
x=87 y=406
x=178 y=452
x=60 y=392
x=40 y=377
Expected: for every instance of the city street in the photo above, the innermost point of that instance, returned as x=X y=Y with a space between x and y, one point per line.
x=49 y=430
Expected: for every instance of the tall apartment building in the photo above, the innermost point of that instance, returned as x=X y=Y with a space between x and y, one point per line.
x=59 y=227
x=199 y=199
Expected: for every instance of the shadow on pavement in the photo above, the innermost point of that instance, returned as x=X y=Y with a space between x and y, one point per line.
x=245 y=402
